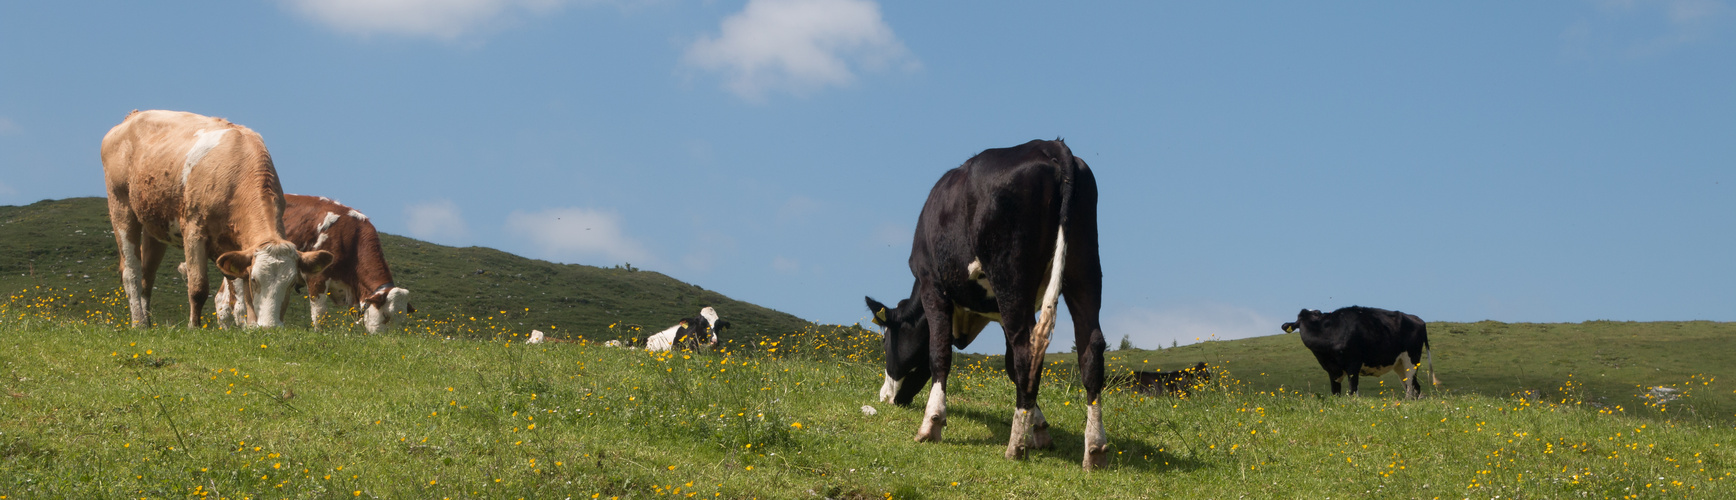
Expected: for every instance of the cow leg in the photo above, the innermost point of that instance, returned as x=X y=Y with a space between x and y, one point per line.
x=1408 y=367
x=940 y=363
x=193 y=247
x=129 y=234
x=1083 y=290
x=1337 y=388
x=316 y=298
x=1354 y=371
x=150 y=258
x=1025 y=367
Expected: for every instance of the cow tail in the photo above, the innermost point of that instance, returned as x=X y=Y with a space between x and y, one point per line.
x=1052 y=293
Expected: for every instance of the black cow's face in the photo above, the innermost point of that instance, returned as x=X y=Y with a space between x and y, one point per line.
x=1306 y=321
x=904 y=339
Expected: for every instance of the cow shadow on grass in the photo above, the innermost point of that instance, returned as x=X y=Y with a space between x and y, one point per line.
x=1128 y=452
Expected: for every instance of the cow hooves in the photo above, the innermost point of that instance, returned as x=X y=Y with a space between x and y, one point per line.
x=932 y=436
x=1096 y=458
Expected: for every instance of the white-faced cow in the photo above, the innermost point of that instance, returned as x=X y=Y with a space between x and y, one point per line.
x=690 y=334
x=358 y=275
x=1002 y=238
x=208 y=186
x=1359 y=341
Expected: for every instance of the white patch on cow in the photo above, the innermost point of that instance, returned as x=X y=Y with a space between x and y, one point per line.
x=325 y=199
x=317 y=307
x=975 y=272
x=662 y=341
x=1018 y=440
x=934 y=417
x=536 y=337
x=274 y=271
x=318 y=242
x=226 y=300
x=208 y=139
x=1096 y=440
x=889 y=388
x=330 y=218
x=358 y=215
x=710 y=316
x=612 y=343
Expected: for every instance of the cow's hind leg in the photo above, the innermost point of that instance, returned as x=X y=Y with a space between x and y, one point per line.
x=129 y=233
x=1413 y=389
x=940 y=365
x=317 y=300
x=150 y=258
x=1083 y=292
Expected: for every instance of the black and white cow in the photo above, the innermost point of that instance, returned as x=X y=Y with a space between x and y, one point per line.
x=1002 y=238
x=1358 y=341
x=690 y=334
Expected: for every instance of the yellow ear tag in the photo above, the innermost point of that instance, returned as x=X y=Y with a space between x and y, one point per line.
x=880 y=316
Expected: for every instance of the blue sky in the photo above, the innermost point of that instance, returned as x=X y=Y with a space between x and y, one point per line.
x=1529 y=161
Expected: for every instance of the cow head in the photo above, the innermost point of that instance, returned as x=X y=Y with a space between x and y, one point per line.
x=379 y=308
x=266 y=275
x=1306 y=321
x=713 y=324
x=905 y=340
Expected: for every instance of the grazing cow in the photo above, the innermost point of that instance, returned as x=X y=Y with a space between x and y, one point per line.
x=1002 y=238
x=1176 y=382
x=208 y=186
x=1359 y=341
x=687 y=334
x=358 y=276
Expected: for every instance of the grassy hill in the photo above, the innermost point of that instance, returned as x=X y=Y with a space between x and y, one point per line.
x=1609 y=363
x=96 y=411
x=68 y=244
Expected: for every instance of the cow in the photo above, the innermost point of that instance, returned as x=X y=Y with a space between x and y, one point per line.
x=208 y=186
x=688 y=333
x=358 y=275
x=1176 y=382
x=1359 y=341
x=1001 y=238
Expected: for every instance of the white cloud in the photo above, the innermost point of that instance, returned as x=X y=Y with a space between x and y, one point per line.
x=1152 y=328
x=436 y=220
x=9 y=127
x=785 y=265
x=799 y=46
x=799 y=208
x=574 y=233
x=1637 y=28
x=446 y=19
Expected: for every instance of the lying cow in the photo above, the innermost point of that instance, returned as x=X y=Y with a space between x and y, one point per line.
x=1176 y=382
x=1002 y=238
x=1358 y=341
x=208 y=186
x=691 y=334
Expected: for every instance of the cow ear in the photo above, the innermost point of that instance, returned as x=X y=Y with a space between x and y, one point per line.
x=1288 y=327
x=878 y=309
x=235 y=264
x=315 y=261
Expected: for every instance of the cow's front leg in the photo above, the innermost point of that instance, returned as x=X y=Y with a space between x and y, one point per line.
x=1355 y=374
x=317 y=299
x=1337 y=385
x=193 y=268
x=940 y=365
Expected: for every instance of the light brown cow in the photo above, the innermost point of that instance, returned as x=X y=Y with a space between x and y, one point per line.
x=208 y=186
x=358 y=275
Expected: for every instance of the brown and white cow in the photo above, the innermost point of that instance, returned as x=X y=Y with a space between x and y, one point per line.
x=358 y=275
x=208 y=186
